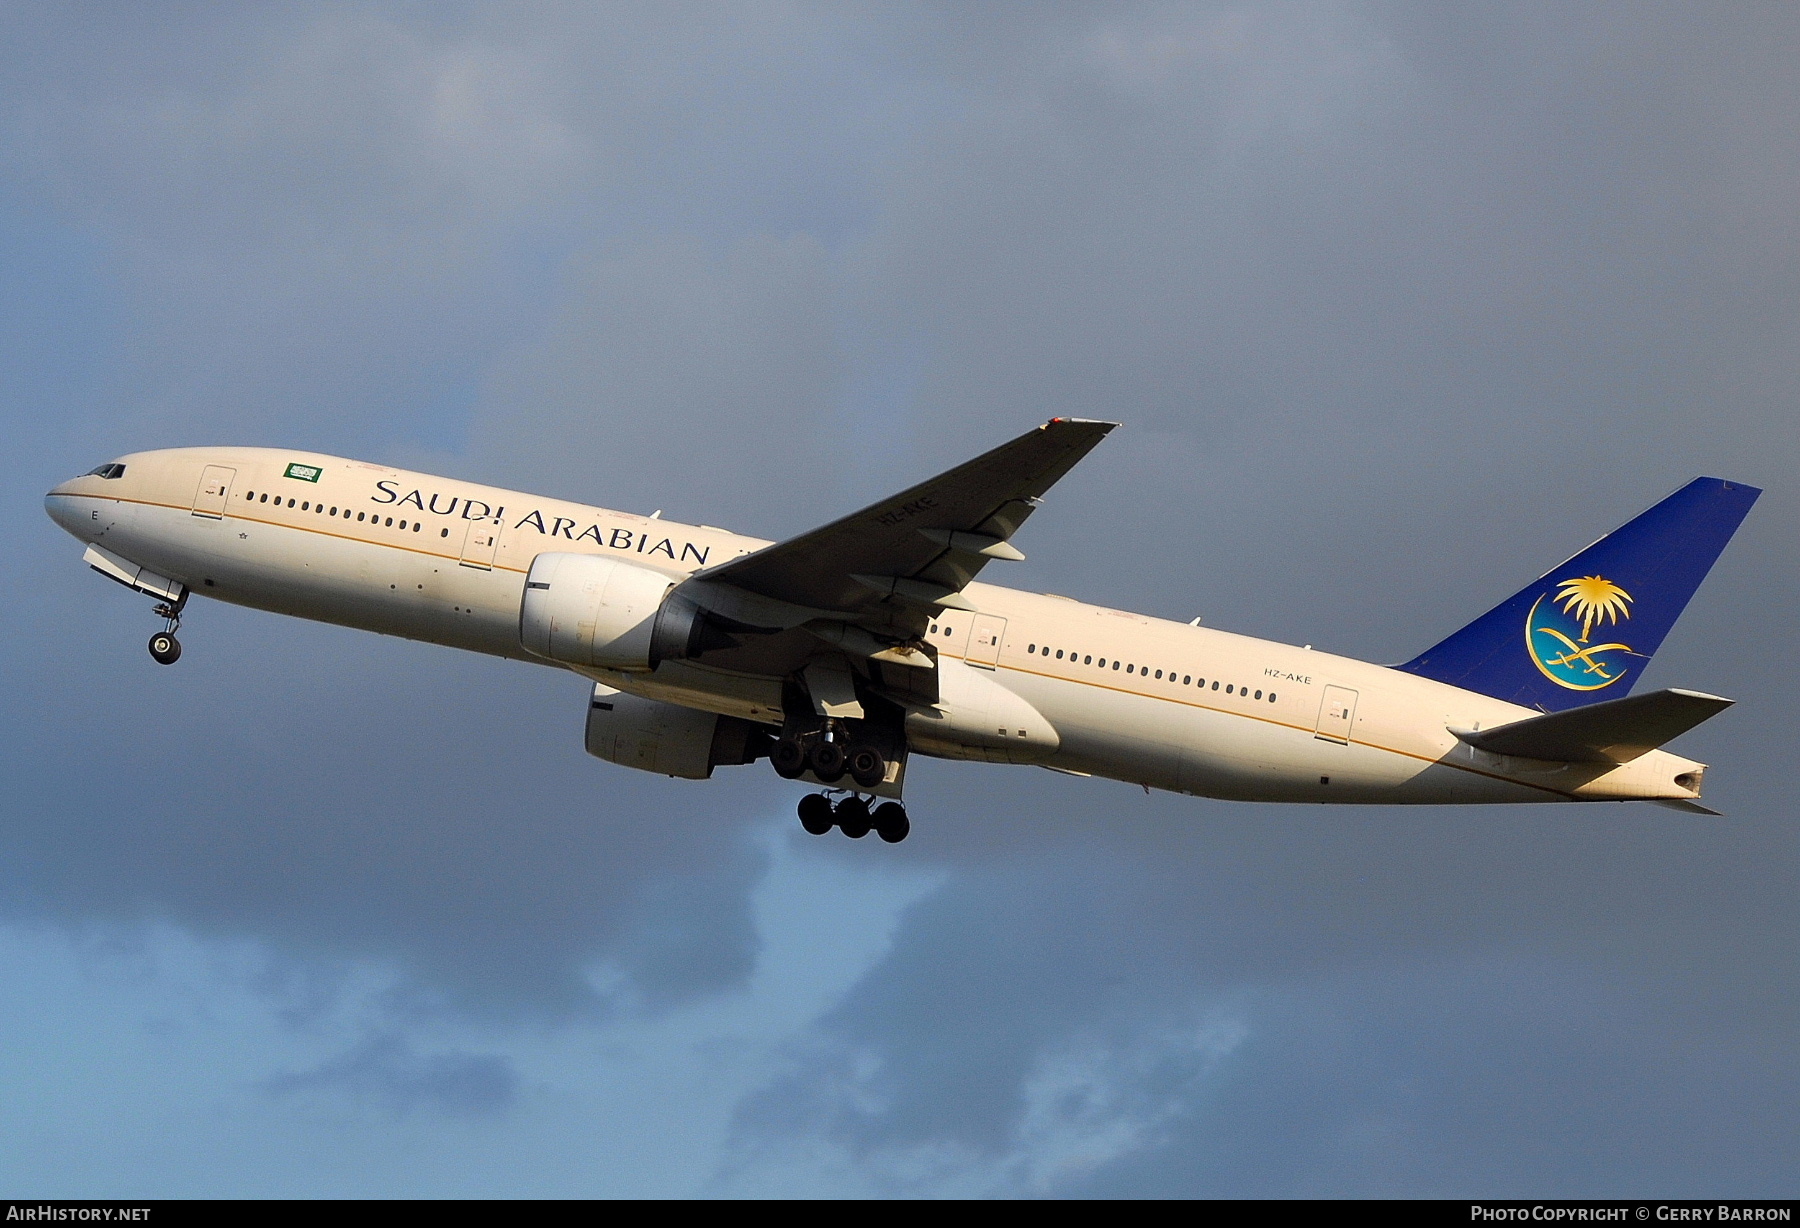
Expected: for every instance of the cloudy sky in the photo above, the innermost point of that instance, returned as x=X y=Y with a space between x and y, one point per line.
x=1399 y=305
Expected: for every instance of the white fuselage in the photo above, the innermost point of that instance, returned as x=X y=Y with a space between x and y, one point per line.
x=1174 y=706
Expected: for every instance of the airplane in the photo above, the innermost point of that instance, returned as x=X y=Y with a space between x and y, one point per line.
x=842 y=653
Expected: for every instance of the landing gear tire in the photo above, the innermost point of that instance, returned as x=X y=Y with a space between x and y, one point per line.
x=788 y=758
x=826 y=759
x=815 y=814
x=866 y=766
x=165 y=648
x=853 y=817
x=890 y=822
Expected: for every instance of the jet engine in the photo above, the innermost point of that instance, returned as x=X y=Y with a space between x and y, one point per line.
x=586 y=609
x=658 y=737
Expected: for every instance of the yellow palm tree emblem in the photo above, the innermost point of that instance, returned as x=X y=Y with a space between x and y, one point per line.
x=1592 y=599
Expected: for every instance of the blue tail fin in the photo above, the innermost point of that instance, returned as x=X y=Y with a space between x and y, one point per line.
x=1584 y=631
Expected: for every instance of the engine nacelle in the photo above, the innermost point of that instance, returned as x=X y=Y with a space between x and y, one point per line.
x=657 y=737
x=586 y=609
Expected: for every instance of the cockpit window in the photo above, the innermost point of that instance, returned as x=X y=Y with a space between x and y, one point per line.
x=114 y=470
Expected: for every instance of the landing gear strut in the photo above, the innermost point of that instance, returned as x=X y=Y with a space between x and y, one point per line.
x=165 y=649
x=851 y=815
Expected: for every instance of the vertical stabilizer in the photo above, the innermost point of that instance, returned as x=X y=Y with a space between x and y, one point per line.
x=1584 y=631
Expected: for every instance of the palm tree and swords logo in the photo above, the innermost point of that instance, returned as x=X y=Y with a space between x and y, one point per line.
x=1559 y=630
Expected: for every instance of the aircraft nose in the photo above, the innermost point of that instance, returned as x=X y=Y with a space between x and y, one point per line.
x=60 y=503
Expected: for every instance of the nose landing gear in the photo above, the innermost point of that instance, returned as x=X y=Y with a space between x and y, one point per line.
x=851 y=815
x=165 y=649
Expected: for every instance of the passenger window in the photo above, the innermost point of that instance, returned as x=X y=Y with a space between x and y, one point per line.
x=1215 y=686
x=1030 y=648
x=1259 y=694
x=334 y=511
x=390 y=522
x=417 y=526
x=250 y=497
x=1059 y=654
x=1187 y=679
x=359 y=515
x=403 y=524
x=1130 y=669
x=445 y=533
x=1271 y=696
x=1115 y=665
x=1087 y=660
x=265 y=498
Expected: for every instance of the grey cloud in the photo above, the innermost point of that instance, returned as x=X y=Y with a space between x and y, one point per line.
x=332 y=228
x=1377 y=1004
x=385 y=1071
x=664 y=359
x=1513 y=1080
x=1399 y=270
x=360 y=800
x=1399 y=304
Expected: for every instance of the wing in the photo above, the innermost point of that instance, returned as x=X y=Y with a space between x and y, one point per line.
x=860 y=592
x=921 y=547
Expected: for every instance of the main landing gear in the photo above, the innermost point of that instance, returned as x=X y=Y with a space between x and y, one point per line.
x=165 y=649
x=827 y=756
x=851 y=815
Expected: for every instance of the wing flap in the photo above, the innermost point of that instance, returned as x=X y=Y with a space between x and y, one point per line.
x=1615 y=731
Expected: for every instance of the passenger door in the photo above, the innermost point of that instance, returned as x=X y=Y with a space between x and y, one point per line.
x=1337 y=713
x=479 y=544
x=987 y=633
x=214 y=490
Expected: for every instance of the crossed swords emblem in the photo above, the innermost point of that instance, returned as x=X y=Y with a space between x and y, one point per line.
x=1585 y=655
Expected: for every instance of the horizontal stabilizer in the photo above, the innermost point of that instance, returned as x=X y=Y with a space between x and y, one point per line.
x=1613 y=731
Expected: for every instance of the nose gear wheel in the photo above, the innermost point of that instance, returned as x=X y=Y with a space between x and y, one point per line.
x=165 y=649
